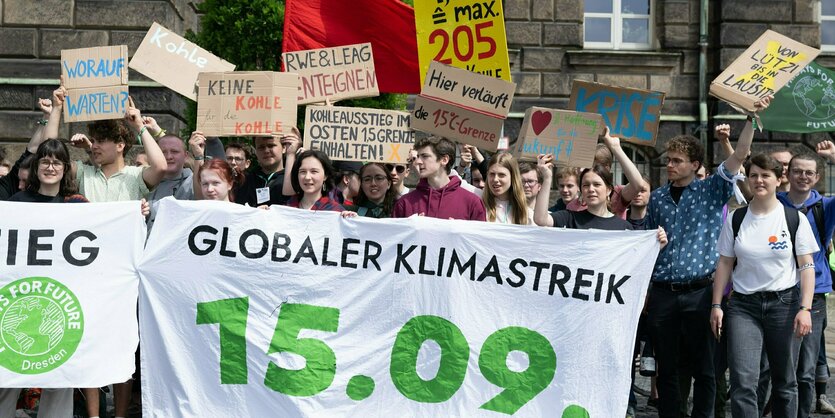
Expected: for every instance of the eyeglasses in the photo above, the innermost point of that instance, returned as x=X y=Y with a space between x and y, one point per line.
x=674 y=161
x=400 y=168
x=58 y=165
x=530 y=182
x=375 y=179
x=236 y=159
x=800 y=173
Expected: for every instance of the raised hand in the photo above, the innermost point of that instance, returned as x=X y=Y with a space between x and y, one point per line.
x=722 y=132
x=545 y=164
x=763 y=103
x=826 y=149
x=81 y=141
x=45 y=105
x=611 y=142
x=197 y=144
x=151 y=124
x=133 y=116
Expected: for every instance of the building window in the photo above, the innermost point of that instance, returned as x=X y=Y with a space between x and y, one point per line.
x=827 y=25
x=639 y=158
x=618 y=24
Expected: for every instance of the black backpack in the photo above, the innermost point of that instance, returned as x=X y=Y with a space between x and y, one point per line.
x=792 y=221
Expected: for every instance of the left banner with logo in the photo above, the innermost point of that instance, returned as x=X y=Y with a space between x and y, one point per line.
x=68 y=291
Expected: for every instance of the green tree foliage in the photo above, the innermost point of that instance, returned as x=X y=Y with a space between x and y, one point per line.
x=249 y=34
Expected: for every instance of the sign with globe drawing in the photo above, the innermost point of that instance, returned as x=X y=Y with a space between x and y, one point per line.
x=41 y=324
x=805 y=104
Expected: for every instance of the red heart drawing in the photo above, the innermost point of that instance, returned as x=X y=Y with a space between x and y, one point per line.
x=540 y=120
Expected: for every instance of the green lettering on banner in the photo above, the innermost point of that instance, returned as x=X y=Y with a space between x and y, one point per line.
x=320 y=361
x=231 y=315
x=455 y=353
x=574 y=411
x=520 y=387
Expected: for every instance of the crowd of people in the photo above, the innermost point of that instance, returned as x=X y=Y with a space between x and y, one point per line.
x=741 y=290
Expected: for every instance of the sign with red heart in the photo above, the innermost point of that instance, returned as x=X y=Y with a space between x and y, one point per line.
x=571 y=136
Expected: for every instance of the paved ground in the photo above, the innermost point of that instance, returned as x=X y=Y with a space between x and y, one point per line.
x=649 y=412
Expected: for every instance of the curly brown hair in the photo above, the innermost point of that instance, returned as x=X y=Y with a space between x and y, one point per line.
x=112 y=130
x=688 y=145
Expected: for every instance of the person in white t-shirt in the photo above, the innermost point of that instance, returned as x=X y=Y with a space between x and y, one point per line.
x=766 y=310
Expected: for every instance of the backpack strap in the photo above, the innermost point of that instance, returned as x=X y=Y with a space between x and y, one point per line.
x=793 y=222
x=820 y=220
x=736 y=220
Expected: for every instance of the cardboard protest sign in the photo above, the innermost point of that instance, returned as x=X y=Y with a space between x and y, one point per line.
x=253 y=103
x=174 y=62
x=765 y=67
x=96 y=80
x=468 y=34
x=358 y=134
x=570 y=136
x=631 y=114
x=463 y=106
x=336 y=73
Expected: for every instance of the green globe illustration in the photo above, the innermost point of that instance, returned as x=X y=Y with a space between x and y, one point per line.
x=32 y=325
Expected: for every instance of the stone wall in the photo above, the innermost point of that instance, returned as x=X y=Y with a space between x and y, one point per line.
x=33 y=33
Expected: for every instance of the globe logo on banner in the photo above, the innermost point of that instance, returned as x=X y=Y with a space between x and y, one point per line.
x=814 y=97
x=41 y=324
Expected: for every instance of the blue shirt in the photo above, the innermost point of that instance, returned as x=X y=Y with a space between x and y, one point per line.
x=692 y=227
x=823 y=277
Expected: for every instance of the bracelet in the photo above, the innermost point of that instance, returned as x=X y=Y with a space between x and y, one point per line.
x=198 y=158
x=803 y=308
x=42 y=122
x=160 y=134
x=139 y=135
x=716 y=306
x=806 y=266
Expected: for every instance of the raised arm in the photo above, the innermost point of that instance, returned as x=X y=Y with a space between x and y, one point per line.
x=152 y=174
x=292 y=147
x=197 y=146
x=545 y=165
x=743 y=145
x=723 y=135
x=636 y=182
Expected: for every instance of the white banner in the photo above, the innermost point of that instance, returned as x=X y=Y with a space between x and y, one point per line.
x=292 y=313
x=68 y=290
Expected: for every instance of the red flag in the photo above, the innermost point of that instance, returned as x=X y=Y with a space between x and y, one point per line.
x=388 y=24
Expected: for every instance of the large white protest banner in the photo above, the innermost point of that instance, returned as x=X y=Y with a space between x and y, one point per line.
x=68 y=293
x=294 y=313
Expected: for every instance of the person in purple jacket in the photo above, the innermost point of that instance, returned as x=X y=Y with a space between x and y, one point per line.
x=438 y=194
x=803 y=175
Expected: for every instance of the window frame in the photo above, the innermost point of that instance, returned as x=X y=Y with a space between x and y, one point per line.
x=616 y=18
x=825 y=18
x=638 y=157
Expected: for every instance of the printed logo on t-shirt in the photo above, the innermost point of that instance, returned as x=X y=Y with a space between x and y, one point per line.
x=778 y=245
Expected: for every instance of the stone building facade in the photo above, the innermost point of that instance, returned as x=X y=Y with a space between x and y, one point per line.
x=546 y=40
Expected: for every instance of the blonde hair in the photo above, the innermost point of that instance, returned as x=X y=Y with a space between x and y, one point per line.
x=518 y=201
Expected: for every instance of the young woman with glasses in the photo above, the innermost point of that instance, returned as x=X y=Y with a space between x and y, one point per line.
x=376 y=196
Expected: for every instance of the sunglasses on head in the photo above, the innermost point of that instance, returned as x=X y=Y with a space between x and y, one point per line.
x=400 y=168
